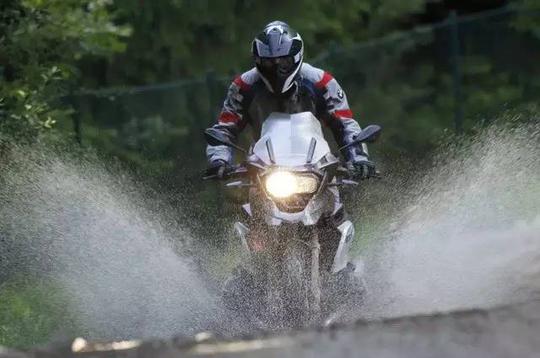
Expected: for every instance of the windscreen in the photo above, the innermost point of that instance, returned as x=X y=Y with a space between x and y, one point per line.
x=289 y=137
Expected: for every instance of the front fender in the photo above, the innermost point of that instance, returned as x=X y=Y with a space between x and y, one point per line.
x=342 y=253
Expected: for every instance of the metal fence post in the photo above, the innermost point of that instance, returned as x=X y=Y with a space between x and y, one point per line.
x=211 y=85
x=456 y=72
x=333 y=49
x=76 y=118
x=77 y=129
x=211 y=82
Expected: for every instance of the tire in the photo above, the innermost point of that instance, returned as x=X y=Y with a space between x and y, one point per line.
x=287 y=300
x=345 y=294
x=296 y=288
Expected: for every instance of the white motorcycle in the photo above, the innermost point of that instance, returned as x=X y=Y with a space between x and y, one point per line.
x=294 y=236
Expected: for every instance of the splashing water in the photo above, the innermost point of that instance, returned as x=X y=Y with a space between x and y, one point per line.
x=97 y=237
x=467 y=234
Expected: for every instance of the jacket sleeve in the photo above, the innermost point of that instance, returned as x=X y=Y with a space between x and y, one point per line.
x=339 y=117
x=230 y=120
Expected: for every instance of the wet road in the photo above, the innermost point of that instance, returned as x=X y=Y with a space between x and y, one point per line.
x=510 y=331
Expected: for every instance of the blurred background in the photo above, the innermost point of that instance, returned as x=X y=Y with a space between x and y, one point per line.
x=137 y=81
x=419 y=69
x=424 y=70
x=140 y=79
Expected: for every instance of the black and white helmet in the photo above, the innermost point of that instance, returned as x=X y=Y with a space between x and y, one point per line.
x=278 y=52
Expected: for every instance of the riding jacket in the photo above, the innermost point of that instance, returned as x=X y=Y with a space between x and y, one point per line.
x=250 y=102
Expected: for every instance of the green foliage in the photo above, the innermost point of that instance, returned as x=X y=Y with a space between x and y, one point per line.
x=141 y=142
x=40 y=44
x=527 y=21
x=174 y=39
x=179 y=38
x=31 y=312
x=405 y=81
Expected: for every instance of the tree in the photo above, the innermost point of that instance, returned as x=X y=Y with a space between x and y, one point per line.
x=175 y=39
x=40 y=44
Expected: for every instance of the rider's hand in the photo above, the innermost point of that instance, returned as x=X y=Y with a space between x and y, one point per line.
x=219 y=169
x=362 y=169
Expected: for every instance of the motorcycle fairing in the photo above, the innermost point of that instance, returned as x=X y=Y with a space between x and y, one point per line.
x=293 y=142
x=341 y=257
x=242 y=231
x=247 y=209
x=323 y=202
x=287 y=140
x=342 y=253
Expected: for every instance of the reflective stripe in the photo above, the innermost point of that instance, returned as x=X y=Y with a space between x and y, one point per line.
x=343 y=113
x=240 y=83
x=228 y=117
x=324 y=80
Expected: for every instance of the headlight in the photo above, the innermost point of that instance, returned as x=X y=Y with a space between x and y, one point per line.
x=283 y=184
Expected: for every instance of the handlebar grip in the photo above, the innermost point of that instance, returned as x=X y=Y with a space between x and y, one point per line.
x=224 y=175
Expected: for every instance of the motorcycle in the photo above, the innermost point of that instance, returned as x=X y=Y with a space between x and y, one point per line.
x=294 y=235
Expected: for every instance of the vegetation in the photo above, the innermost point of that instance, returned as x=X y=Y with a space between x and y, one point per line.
x=32 y=311
x=169 y=42
x=40 y=44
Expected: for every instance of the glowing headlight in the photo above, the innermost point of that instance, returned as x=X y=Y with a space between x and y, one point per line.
x=282 y=184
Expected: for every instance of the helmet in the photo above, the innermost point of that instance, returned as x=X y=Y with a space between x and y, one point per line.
x=278 y=52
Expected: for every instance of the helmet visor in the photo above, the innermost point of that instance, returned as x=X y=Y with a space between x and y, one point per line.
x=279 y=67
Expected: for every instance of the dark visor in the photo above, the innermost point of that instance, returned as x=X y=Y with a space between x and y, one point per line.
x=280 y=64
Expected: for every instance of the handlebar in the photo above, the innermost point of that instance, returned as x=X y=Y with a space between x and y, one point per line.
x=240 y=170
x=347 y=173
x=237 y=171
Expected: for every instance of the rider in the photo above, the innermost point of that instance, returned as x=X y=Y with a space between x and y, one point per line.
x=282 y=82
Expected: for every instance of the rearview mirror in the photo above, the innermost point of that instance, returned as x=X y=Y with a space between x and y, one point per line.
x=368 y=135
x=214 y=136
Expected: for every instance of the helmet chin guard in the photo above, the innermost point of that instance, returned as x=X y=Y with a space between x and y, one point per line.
x=278 y=52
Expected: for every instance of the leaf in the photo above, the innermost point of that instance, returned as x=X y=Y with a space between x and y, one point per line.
x=49 y=123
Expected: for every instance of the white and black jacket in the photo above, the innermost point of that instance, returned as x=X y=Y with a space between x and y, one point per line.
x=250 y=102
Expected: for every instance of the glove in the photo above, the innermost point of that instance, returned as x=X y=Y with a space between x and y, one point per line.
x=219 y=168
x=361 y=169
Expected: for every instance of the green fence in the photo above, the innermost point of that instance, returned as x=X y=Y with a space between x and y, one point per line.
x=418 y=84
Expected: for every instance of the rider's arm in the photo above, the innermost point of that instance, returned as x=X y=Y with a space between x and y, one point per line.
x=231 y=119
x=339 y=117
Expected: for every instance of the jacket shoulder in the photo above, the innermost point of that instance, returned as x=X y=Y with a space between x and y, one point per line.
x=317 y=76
x=247 y=79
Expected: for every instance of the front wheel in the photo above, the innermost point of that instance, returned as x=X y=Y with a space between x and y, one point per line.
x=300 y=286
x=285 y=290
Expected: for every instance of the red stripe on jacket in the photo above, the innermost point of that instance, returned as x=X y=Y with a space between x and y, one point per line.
x=343 y=113
x=324 y=80
x=240 y=83
x=228 y=117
